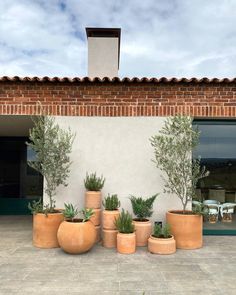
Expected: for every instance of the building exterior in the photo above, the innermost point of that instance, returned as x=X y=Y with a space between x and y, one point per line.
x=113 y=119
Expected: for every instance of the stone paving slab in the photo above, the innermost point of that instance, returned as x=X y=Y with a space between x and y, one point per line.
x=27 y=270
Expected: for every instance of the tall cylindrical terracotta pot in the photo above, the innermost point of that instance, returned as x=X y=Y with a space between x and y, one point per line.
x=109 y=217
x=126 y=243
x=143 y=231
x=45 y=229
x=98 y=233
x=109 y=238
x=76 y=237
x=93 y=199
x=96 y=218
x=186 y=229
x=161 y=246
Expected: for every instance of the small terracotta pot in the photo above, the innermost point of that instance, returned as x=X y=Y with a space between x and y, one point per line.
x=45 y=229
x=98 y=233
x=186 y=229
x=76 y=237
x=93 y=199
x=96 y=218
x=161 y=246
x=109 y=238
x=126 y=243
x=109 y=218
x=143 y=231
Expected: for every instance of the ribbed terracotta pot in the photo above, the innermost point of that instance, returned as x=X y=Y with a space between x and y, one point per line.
x=109 y=238
x=186 y=229
x=143 y=231
x=126 y=243
x=109 y=217
x=96 y=218
x=161 y=246
x=98 y=233
x=45 y=229
x=76 y=237
x=93 y=199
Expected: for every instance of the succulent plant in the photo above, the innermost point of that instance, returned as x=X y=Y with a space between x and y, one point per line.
x=162 y=232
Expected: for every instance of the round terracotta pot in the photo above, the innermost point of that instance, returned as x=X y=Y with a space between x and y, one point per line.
x=45 y=229
x=143 y=231
x=109 y=238
x=98 y=233
x=96 y=218
x=76 y=237
x=186 y=229
x=93 y=199
x=161 y=246
x=126 y=243
x=109 y=218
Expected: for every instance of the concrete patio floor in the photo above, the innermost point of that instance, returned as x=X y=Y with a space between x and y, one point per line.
x=28 y=270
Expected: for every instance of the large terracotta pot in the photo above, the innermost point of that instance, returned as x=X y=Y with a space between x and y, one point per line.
x=76 y=237
x=109 y=238
x=143 y=231
x=126 y=243
x=45 y=229
x=186 y=229
x=161 y=246
x=93 y=199
x=96 y=218
x=109 y=218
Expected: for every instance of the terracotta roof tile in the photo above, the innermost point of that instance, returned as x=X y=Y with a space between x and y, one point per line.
x=115 y=80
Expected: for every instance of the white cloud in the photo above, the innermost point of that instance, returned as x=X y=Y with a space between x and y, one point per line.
x=159 y=38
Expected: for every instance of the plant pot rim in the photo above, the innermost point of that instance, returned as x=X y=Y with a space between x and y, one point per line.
x=88 y=191
x=162 y=239
x=54 y=213
x=180 y=213
x=141 y=221
x=110 y=211
x=127 y=234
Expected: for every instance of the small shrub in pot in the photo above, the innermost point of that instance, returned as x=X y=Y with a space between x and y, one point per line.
x=93 y=185
x=142 y=209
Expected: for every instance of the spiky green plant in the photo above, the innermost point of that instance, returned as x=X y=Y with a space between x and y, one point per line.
x=162 y=232
x=70 y=211
x=36 y=206
x=52 y=146
x=111 y=202
x=87 y=214
x=124 y=223
x=173 y=148
x=94 y=183
x=142 y=208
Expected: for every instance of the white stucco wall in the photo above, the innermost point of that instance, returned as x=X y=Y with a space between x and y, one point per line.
x=119 y=148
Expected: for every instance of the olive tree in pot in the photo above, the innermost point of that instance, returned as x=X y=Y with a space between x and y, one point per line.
x=142 y=209
x=126 y=242
x=161 y=241
x=173 y=155
x=52 y=146
x=76 y=235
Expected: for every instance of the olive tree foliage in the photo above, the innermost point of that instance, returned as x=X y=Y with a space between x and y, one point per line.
x=173 y=148
x=52 y=146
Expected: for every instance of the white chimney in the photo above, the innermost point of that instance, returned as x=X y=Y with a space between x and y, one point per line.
x=103 y=52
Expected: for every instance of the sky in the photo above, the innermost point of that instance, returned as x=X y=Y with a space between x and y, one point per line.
x=159 y=38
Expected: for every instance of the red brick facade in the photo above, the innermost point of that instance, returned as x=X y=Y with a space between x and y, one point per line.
x=119 y=98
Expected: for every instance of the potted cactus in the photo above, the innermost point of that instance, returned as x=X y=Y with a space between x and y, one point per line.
x=142 y=209
x=111 y=204
x=52 y=146
x=126 y=242
x=76 y=235
x=161 y=241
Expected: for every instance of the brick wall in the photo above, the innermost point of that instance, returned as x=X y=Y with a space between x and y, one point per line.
x=119 y=98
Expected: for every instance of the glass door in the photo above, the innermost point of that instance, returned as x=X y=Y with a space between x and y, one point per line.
x=217 y=149
x=18 y=182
